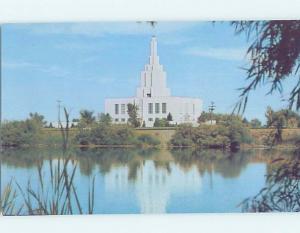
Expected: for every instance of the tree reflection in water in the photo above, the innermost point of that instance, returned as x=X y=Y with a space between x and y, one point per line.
x=282 y=192
x=53 y=193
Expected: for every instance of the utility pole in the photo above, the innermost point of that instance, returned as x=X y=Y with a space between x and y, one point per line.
x=211 y=108
x=58 y=112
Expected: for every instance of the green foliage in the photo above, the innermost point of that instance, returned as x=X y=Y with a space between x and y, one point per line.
x=169 y=117
x=278 y=120
x=132 y=110
x=105 y=119
x=281 y=192
x=34 y=198
x=218 y=117
x=161 y=122
x=148 y=140
x=87 y=118
x=207 y=116
x=103 y=134
x=274 y=56
x=231 y=132
x=38 y=119
x=22 y=133
x=255 y=123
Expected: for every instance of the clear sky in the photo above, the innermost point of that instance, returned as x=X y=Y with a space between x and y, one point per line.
x=83 y=63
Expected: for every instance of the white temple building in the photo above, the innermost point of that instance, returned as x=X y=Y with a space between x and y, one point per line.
x=154 y=99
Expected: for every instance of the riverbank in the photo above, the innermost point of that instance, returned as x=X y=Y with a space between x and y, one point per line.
x=51 y=137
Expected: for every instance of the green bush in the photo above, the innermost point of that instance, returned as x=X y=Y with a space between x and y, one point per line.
x=103 y=134
x=83 y=137
x=161 y=122
x=231 y=132
x=148 y=140
x=22 y=133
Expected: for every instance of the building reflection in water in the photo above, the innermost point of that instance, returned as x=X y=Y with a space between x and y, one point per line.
x=153 y=185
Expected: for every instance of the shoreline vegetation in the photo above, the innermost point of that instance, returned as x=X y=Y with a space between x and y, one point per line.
x=162 y=138
x=229 y=132
x=52 y=138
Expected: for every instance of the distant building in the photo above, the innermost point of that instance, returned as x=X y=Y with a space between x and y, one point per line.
x=210 y=122
x=154 y=99
x=55 y=124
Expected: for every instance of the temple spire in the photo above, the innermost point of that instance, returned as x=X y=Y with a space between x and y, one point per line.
x=153 y=55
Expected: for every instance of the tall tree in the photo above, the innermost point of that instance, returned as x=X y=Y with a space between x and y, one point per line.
x=132 y=110
x=274 y=56
x=105 y=118
x=87 y=118
x=38 y=119
x=169 y=117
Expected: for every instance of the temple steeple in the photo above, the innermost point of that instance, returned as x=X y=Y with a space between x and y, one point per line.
x=153 y=56
x=153 y=97
x=153 y=79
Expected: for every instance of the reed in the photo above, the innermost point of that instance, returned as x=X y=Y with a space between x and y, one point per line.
x=52 y=195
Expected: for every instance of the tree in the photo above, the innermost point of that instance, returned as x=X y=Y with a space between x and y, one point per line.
x=22 y=133
x=132 y=110
x=169 y=117
x=157 y=123
x=274 y=56
x=269 y=115
x=205 y=116
x=281 y=192
x=208 y=116
x=277 y=120
x=255 y=123
x=50 y=125
x=281 y=119
x=87 y=118
x=105 y=119
x=38 y=119
x=245 y=121
x=161 y=122
x=229 y=133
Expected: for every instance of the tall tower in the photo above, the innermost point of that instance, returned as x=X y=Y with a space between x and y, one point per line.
x=153 y=81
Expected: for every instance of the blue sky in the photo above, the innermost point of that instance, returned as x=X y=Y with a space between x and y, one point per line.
x=83 y=63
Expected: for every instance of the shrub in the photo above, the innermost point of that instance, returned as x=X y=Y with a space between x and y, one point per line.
x=103 y=134
x=231 y=132
x=148 y=140
x=161 y=122
x=83 y=137
x=21 y=133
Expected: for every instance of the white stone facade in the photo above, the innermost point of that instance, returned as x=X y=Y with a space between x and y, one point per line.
x=154 y=99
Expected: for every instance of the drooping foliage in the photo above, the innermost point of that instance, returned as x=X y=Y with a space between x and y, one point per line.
x=279 y=120
x=274 y=56
x=282 y=190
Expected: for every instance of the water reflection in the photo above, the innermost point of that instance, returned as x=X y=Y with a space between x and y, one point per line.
x=154 y=181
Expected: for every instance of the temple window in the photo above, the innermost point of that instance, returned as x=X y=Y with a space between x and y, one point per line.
x=116 y=108
x=164 y=107
x=150 y=108
x=156 y=107
x=122 y=108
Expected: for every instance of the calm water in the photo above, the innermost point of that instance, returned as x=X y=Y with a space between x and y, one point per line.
x=150 y=181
